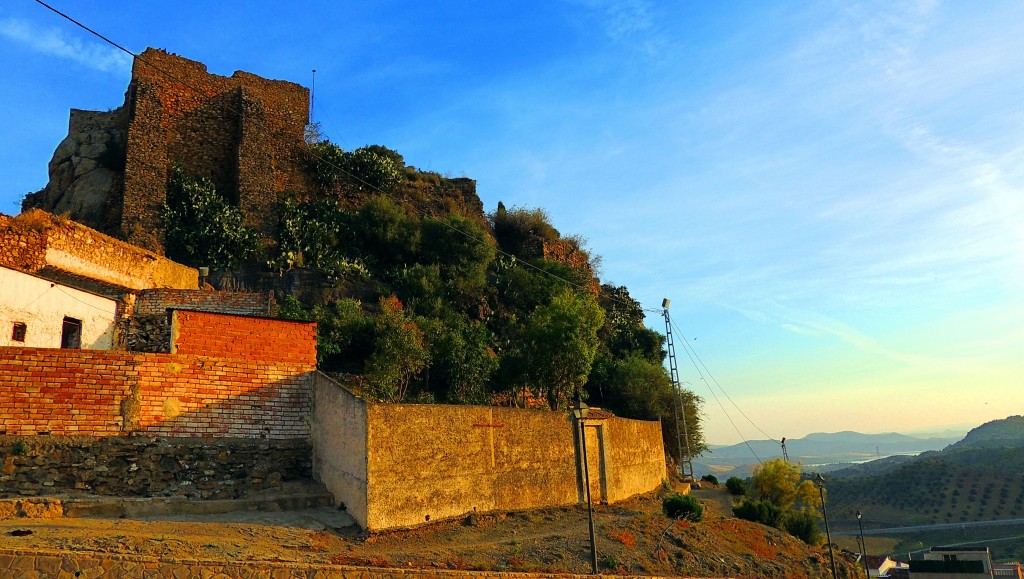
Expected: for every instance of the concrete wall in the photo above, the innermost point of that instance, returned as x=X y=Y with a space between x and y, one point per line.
x=339 y=445
x=423 y=463
x=42 y=305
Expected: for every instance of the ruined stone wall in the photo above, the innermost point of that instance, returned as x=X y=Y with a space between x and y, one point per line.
x=36 y=240
x=245 y=338
x=158 y=301
x=243 y=132
x=196 y=468
x=105 y=393
x=21 y=247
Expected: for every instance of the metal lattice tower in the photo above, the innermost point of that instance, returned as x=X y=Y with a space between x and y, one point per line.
x=682 y=433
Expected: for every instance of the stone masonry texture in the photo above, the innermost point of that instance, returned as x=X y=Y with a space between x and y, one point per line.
x=145 y=466
x=243 y=132
x=40 y=243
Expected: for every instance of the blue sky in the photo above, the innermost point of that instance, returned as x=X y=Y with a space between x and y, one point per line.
x=831 y=193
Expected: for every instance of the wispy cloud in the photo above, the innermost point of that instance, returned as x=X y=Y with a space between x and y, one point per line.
x=54 y=42
x=627 y=21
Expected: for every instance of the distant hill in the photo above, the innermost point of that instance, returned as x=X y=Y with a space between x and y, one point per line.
x=1008 y=432
x=977 y=478
x=826 y=451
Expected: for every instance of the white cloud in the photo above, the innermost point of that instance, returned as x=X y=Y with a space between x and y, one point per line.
x=54 y=42
x=627 y=21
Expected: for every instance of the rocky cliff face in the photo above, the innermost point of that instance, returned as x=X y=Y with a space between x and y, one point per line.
x=87 y=171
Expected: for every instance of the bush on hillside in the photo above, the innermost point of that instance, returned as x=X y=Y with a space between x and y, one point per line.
x=803 y=525
x=710 y=478
x=736 y=486
x=685 y=507
x=763 y=512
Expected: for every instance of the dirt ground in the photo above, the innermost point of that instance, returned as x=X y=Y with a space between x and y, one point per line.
x=633 y=537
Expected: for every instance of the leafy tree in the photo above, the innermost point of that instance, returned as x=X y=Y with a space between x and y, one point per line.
x=462 y=250
x=389 y=235
x=560 y=340
x=398 y=353
x=710 y=478
x=778 y=482
x=736 y=486
x=344 y=335
x=201 y=227
x=326 y=161
x=462 y=361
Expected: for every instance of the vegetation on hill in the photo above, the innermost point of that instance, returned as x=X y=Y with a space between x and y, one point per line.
x=973 y=480
x=778 y=498
x=433 y=301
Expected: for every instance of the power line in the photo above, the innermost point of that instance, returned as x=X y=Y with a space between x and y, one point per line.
x=715 y=396
x=752 y=423
x=411 y=203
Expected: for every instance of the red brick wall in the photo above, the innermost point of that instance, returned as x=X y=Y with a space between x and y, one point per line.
x=241 y=337
x=105 y=393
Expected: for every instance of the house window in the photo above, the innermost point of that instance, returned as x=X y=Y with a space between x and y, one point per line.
x=71 y=333
x=18 y=335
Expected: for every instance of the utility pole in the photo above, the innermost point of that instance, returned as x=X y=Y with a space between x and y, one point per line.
x=679 y=409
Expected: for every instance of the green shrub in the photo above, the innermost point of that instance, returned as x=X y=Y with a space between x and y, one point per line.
x=736 y=486
x=763 y=512
x=201 y=227
x=371 y=170
x=710 y=478
x=802 y=525
x=686 y=507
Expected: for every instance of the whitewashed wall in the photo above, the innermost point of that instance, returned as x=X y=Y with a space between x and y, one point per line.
x=42 y=305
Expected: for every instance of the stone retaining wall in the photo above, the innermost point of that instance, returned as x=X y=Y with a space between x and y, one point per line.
x=198 y=468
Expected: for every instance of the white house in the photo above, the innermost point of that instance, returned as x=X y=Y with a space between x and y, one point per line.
x=40 y=313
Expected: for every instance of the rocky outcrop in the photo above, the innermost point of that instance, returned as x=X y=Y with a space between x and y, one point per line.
x=87 y=170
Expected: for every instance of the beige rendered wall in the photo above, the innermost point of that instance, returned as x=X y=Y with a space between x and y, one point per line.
x=430 y=462
x=41 y=305
x=635 y=454
x=339 y=445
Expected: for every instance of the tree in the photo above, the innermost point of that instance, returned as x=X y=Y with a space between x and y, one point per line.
x=398 y=353
x=560 y=340
x=463 y=252
x=778 y=482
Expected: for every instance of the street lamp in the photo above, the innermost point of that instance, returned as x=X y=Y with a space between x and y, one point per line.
x=863 y=545
x=579 y=412
x=824 y=514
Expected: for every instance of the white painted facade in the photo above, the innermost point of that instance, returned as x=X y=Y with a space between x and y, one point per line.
x=43 y=307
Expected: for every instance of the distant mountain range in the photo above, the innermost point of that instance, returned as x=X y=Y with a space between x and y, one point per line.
x=823 y=451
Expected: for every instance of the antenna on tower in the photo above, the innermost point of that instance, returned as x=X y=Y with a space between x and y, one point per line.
x=682 y=433
x=312 y=97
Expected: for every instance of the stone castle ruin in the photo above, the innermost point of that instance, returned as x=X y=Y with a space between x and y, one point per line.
x=243 y=132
